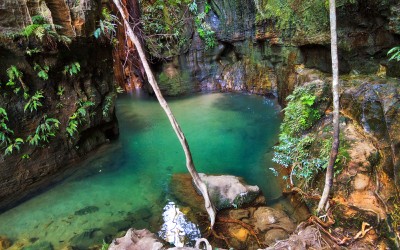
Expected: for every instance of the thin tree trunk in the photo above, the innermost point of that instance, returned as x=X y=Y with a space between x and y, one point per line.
x=335 y=91
x=189 y=161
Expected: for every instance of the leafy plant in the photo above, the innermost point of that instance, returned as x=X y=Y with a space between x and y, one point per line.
x=394 y=54
x=107 y=26
x=15 y=74
x=34 y=102
x=72 y=69
x=33 y=51
x=43 y=71
x=5 y=132
x=43 y=31
x=78 y=117
x=13 y=146
x=109 y=100
x=60 y=90
x=46 y=129
x=203 y=29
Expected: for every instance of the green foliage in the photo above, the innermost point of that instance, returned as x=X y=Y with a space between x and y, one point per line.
x=33 y=51
x=5 y=132
x=304 y=152
x=107 y=26
x=35 y=101
x=72 y=69
x=43 y=71
x=78 y=117
x=43 y=31
x=166 y=27
x=105 y=246
x=108 y=103
x=119 y=90
x=60 y=90
x=394 y=54
x=13 y=74
x=203 y=29
x=300 y=114
x=294 y=149
x=46 y=129
x=16 y=145
x=291 y=16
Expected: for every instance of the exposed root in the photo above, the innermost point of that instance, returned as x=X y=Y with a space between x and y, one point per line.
x=296 y=190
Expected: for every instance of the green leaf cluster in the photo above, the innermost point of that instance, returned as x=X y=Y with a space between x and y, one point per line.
x=43 y=31
x=203 y=28
x=35 y=101
x=72 y=69
x=46 y=129
x=107 y=25
x=78 y=117
x=43 y=71
x=394 y=54
x=5 y=131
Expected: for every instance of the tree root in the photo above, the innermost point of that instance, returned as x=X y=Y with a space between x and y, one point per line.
x=252 y=231
x=322 y=226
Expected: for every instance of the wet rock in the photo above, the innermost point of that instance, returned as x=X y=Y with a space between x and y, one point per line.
x=136 y=240
x=87 y=210
x=265 y=217
x=228 y=191
x=274 y=235
x=239 y=214
x=40 y=246
x=361 y=182
x=4 y=243
x=87 y=238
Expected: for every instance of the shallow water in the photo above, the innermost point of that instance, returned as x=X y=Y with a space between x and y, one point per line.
x=126 y=184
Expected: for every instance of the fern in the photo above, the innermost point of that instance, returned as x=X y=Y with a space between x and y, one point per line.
x=34 y=102
x=46 y=129
x=5 y=132
x=13 y=146
x=78 y=117
x=43 y=71
x=394 y=54
x=72 y=69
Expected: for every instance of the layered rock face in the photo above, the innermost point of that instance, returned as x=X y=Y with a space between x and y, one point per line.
x=255 y=54
x=86 y=96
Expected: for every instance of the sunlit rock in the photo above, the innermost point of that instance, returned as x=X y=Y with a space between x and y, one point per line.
x=177 y=229
x=228 y=191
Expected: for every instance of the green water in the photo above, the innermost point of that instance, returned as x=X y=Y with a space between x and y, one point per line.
x=127 y=183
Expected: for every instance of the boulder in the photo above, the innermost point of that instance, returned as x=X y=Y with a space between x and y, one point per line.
x=266 y=216
x=136 y=240
x=228 y=191
x=5 y=243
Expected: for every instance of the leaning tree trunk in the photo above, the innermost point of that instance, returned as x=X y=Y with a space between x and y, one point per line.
x=189 y=161
x=335 y=92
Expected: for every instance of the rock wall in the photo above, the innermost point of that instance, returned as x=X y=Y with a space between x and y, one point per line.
x=34 y=167
x=250 y=47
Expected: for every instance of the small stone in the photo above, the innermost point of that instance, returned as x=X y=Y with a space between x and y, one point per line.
x=239 y=233
x=239 y=214
x=361 y=182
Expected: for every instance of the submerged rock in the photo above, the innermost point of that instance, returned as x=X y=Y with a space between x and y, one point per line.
x=40 y=246
x=4 y=242
x=136 y=240
x=228 y=191
x=87 y=210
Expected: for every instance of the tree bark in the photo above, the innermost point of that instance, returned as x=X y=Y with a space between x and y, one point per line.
x=335 y=92
x=189 y=161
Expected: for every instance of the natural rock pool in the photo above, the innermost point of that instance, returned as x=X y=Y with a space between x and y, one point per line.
x=126 y=184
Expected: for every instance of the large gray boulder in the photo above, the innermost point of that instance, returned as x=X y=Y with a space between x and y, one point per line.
x=228 y=191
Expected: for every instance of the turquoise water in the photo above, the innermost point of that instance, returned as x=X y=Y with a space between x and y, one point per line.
x=126 y=184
